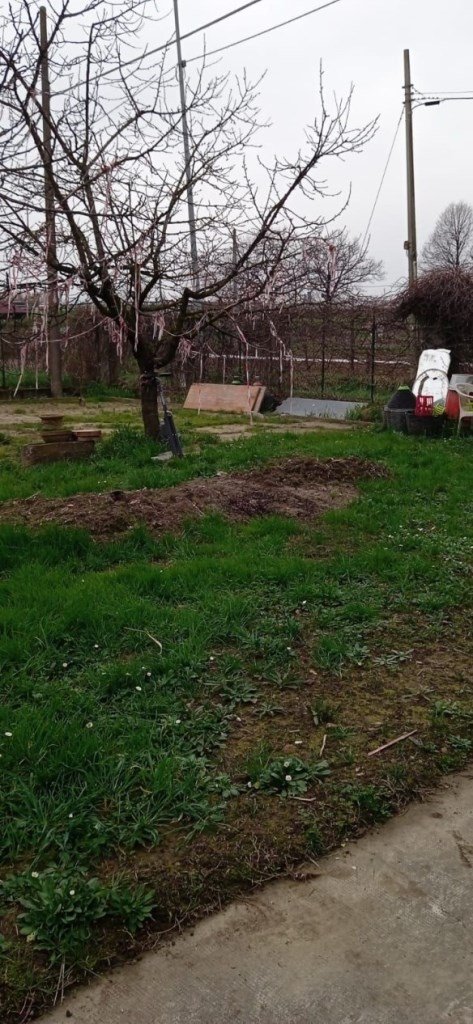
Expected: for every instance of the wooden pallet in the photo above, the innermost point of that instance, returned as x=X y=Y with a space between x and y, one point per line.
x=53 y=451
x=238 y=398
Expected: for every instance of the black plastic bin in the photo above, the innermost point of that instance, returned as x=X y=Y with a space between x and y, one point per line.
x=424 y=426
x=402 y=401
x=395 y=419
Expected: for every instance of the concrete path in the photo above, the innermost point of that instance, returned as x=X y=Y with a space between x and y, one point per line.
x=382 y=936
x=235 y=431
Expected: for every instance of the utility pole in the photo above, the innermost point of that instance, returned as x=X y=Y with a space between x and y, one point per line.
x=235 y=290
x=374 y=333
x=411 y=244
x=187 y=156
x=234 y=262
x=54 y=340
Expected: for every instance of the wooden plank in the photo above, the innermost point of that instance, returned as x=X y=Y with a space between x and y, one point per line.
x=259 y=399
x=53 y=451
x=238 y=398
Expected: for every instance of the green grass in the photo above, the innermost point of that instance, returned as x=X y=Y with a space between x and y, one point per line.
x=124 y=460
x=356 y=391
x=93 y=390
x=345 y=388
x=147 y=681
x=29 y=379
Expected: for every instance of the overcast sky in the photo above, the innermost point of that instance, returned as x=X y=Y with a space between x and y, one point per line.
x=360 y=42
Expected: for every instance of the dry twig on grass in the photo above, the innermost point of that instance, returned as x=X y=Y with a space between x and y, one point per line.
x=398 y=739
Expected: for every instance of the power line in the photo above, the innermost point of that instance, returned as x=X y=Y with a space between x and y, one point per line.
x=223 y=17
x=382 y=178
x=264 y=32
x=443 y=92
x=450 y=99
x=165 y=46
x=434 y=101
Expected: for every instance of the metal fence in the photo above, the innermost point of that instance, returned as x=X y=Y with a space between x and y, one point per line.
x=306 y=349
x=354 y=350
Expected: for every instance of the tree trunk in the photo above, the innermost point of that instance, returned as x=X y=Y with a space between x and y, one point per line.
x=149 y=404
x=113 y=365
x=352 y=343
x=101 y=350
x=149 y=357
x=148 y=389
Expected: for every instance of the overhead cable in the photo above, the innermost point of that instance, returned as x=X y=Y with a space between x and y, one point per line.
x=385 y=171
x=264 y=32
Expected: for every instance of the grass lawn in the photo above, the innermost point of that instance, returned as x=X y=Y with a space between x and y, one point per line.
x=184 y=716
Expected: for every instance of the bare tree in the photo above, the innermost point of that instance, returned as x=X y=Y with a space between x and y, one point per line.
x=322 y=265
x=337 y=266
x=332 y=268
x=450 y=245
x=117 y=178
x=442 y=303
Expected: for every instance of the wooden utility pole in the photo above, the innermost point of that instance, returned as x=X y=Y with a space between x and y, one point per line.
x=54 y=339
x=187 y=156
x=411 y=244
x=2 y=354
x=374 y=334
x=234 y=262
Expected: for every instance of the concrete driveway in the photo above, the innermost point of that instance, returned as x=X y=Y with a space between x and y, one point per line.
x=382 y=935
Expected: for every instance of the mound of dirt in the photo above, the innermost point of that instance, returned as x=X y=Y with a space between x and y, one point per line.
x=300 y=488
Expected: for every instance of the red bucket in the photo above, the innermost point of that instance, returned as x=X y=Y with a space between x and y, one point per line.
x=424 y=405
x=452 y=405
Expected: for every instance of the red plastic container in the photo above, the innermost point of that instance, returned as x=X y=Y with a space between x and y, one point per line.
x=452 y=405
x=424 y=405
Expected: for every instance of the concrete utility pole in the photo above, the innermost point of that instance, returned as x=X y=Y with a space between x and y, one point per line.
x=411 y=244
x=54 y=340
x=187 y=156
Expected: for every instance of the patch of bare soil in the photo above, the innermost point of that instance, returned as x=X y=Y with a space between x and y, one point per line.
x=364 y=708
x=235 y=431
x=18 y=412
x=299 y=488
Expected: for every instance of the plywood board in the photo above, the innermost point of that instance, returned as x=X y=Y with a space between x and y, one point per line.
x=241 y=398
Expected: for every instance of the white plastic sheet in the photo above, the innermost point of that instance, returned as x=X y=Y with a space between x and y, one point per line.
x=431 y=377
